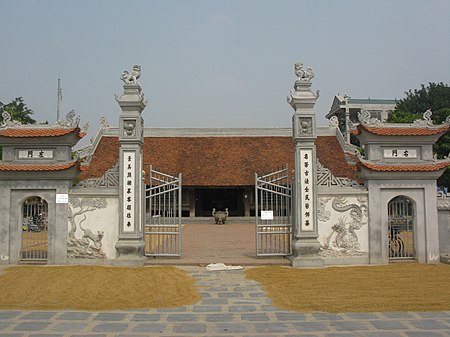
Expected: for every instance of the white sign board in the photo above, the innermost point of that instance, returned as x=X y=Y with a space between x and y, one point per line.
x=266 y=215
x=399 y=152
x=62 y=198
x=35 y=154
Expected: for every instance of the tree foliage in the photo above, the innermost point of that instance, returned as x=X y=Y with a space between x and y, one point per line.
x=402 y=117
x=435 y=97
x=18 y=111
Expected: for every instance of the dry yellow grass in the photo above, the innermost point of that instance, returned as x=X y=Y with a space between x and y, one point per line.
x=395 y=287
x=95 y=288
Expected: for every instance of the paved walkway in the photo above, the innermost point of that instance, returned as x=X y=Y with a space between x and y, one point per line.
x=231 y=306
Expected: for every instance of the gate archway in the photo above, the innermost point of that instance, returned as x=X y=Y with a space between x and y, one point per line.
x=401 y=228
x=34 y=242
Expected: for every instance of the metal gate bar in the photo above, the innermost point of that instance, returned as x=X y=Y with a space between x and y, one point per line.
x=163 y=217
x=400 y=229
x=273 y=193
x=34 y=242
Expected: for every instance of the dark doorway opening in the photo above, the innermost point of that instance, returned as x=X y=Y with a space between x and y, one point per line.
x=219 y=198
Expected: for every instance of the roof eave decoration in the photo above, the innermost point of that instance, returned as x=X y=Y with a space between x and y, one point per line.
x=435 y=165
x=11 y=128
x=419 y=127
x=39 y=167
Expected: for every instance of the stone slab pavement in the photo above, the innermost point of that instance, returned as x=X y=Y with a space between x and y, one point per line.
x=231 y=306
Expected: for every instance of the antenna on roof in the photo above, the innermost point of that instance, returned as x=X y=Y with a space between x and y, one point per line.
x=58 y=99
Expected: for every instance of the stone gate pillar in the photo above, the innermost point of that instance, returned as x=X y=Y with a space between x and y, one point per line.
x=305 y=242
x=131 y=188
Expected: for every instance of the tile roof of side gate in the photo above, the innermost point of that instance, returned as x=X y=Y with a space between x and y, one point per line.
x=219 y=161
x=36 y=132
x=37 y=167
x=405 y=168
x=401 y=131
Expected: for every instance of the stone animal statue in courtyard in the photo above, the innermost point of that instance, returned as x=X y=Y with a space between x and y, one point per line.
x=133 y=77
x=219 y=216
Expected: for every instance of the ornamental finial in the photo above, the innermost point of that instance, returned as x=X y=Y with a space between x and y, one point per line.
x=302 y=74
x=132 y=78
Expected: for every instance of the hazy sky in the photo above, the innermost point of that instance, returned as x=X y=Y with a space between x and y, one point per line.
x=224 y=63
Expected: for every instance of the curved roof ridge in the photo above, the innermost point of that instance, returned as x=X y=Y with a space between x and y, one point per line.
x=53 y=131
x=37 y=167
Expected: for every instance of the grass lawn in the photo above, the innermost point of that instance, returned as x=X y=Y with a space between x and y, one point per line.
x=394 y=287
x=95 y=288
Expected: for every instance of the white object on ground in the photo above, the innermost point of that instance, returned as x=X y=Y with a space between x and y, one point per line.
x=221 y=266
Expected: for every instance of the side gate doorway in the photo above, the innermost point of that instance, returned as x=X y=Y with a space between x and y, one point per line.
x=163 y=215
x=401 y=228
x=273 y=195
x=34 y=243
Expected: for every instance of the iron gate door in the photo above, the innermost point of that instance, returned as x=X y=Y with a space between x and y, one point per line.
x=400 y=228
x=273 y=195
x=163 y=217
x=34 y=230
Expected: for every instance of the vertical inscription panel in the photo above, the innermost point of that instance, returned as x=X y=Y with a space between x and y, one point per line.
x=129 y=183
x=306 y=188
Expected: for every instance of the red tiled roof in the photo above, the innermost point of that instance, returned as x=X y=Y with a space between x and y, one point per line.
x=36 y=167
x=44 y=132
x=403 y=168
x=401 y=131
x=219 y=161
x=331 y=155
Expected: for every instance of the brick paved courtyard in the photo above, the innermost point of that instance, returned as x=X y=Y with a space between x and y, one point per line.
x=208 y=243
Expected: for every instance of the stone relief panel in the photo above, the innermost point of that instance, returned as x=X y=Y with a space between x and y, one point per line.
x=305 y=126
x=85 y=242
x=129 y=128
x=322 y=213
x=343 y=225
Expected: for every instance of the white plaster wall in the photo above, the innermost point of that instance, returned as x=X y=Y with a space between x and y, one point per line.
x=103 y=219
x=444 y=231
x=327 y=217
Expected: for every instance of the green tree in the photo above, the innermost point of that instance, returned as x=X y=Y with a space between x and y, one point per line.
x=18 y=111
x=402 y=117
x=436 y=97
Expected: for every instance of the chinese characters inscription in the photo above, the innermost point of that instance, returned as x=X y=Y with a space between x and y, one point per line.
x=306 y=188
x=129 y=162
